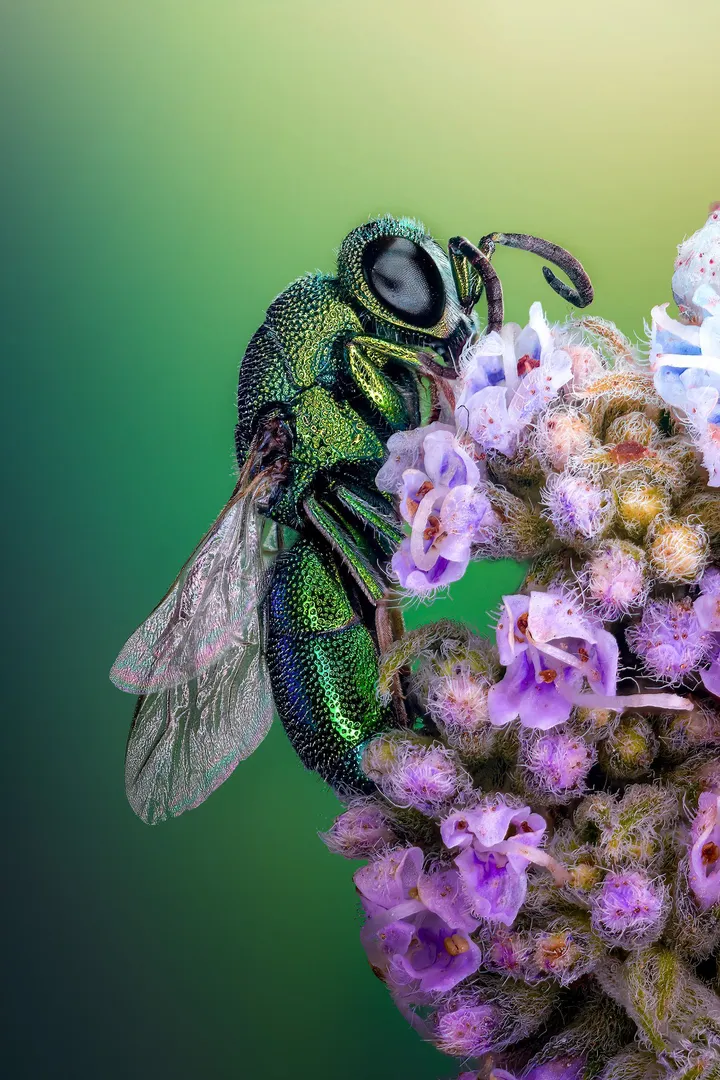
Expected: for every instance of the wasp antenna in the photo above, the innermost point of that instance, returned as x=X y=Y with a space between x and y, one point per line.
x=580 y=296
x=493 y=288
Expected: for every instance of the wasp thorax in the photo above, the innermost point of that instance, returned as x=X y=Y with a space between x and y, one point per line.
x=638 y=503
x=678 y=551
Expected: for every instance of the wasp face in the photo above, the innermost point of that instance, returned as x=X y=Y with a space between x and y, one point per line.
x=404 y=281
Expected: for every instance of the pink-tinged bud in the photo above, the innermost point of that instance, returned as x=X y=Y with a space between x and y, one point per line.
x=562 y=434
x=705 y=851
x=458 y=702
x=586 y=365
x=616 y=578
x=363 y=829
x=629 y=909
x=632 y=427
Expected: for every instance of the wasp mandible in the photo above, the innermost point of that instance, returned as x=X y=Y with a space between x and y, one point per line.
x=338 y=365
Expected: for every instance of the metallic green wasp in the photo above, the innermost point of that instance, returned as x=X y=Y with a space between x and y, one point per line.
x=339 y=364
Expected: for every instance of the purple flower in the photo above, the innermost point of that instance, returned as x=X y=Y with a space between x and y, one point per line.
x=577 y=507
x=363 y=829
x=670 y=640
x=447 y=512
x=405 y=451
x=509 y=378
x=705 y=850
x=419 y=923
x=466 y=1029
x=427 y=778
x=549 y=647
x=559 y=763
x=629 y=909
x=686 y=362
x=497 y=843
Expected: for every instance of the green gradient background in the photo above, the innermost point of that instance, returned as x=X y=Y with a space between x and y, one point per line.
x=167 y=168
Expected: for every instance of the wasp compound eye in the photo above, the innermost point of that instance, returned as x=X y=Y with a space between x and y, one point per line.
x=403 y=276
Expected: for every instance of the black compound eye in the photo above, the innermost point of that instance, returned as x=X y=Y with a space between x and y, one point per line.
x=403 y=276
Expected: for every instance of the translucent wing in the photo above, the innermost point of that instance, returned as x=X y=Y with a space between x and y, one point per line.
x=211 y=607
x=186 y=740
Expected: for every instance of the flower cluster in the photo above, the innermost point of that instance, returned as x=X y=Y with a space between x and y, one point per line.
x=541 y=887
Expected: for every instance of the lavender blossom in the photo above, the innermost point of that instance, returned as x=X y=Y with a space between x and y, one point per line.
x=447 y=511
x=534 y=371
x=419 y=925
x=497 y=843
x=669 y=640
x=629 y=909
x=704 y=871
x=549 y=647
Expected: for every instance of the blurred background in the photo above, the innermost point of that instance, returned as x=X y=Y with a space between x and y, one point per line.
x=167 y=168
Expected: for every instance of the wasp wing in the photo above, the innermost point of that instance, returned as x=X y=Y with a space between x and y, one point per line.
x=211 y=607
x=186 y=740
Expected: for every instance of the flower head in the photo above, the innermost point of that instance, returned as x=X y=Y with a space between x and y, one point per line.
x=705 y=850
x=616 y=577
x=549 y=647
x=579 y=508
x=496 y=842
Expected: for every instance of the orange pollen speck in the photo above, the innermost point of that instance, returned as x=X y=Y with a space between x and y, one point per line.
x=526 y=364
x=628 y=451
x=548 y=675
x=522 y=623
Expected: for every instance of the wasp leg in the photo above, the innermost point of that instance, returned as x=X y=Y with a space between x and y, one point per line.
x=323 y=665
x=580 y=296
x=374 y=511
x=350 y=545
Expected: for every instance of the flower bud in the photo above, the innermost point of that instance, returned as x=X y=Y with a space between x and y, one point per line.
x=595 y=724
x=566 y=951
x=631 y=748
x=616 y=577
x=632 y=427
x=418 y=776
x=556 y=765
x=638 y=503
x=678 y=551
x=669 y=640
x=629 y=909
x=562 y=434
x=363 y=829
x=466 y=1029
x=704 y=507
x=579 y=509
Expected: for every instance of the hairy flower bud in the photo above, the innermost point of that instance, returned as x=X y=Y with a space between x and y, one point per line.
x=363 y=829
x=677 y=550
x=616 y=577
x=630 y=749
x=579 y=509
x=466 y=1029
x=562 y=434
x=669 y=640
x=638 y=503
x=418 y=776
x=629 y=908
x=557 y=764
x=633 y=427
